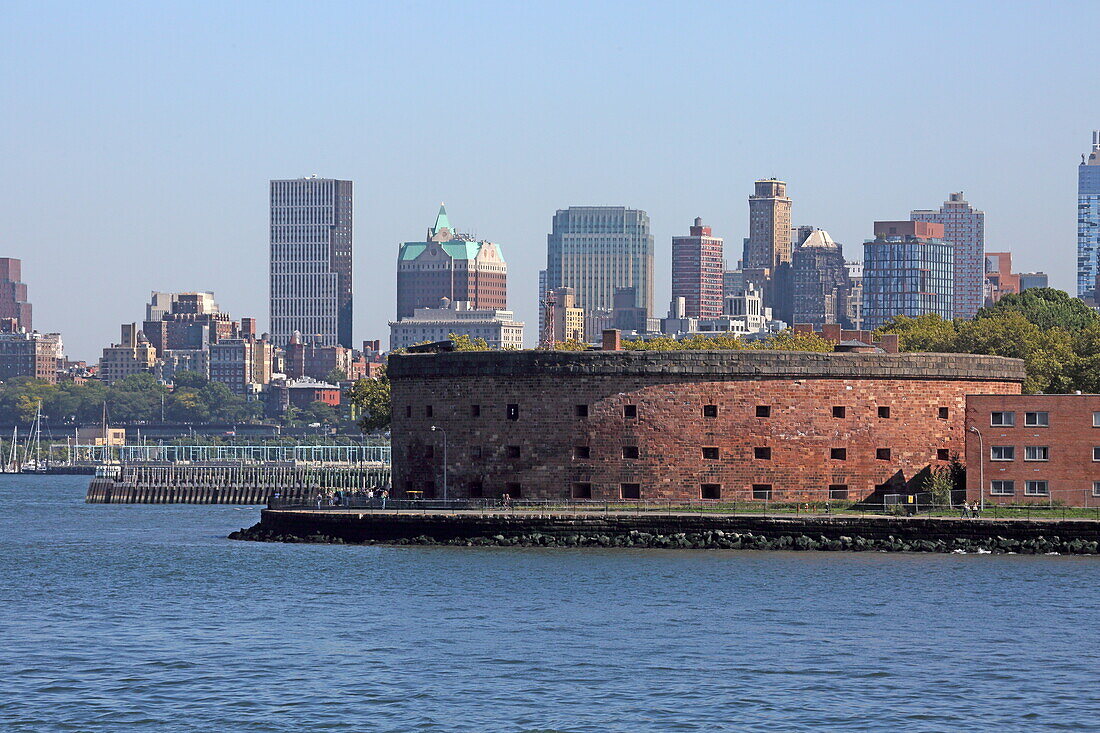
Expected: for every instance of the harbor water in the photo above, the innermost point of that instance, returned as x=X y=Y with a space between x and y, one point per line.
x=144 y=617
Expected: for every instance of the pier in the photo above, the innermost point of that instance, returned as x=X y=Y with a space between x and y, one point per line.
x=230 y=474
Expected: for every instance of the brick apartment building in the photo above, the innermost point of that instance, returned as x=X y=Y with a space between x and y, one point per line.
x=697 y=271
x=1033 y=449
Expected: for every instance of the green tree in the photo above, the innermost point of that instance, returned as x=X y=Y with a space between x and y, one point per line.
x=1086 y=368
x=320 y=412
x=1046 y=308
x=940 y=483
x=187 y=406
x=570 y=345
x=189 y=379
x=924 y=333
x=463 y=342
x=1048 y=354
x=335 y=376
x=787 y=340
x=371 y=400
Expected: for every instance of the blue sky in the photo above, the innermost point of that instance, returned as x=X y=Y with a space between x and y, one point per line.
x=137 y=139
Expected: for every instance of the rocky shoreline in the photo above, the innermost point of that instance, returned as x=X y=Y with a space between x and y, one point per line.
x=711 y=540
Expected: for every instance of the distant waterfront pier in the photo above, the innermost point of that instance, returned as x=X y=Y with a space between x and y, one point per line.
x=233 y=474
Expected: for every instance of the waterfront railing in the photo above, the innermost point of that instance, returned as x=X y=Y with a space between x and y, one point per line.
x=361 y=502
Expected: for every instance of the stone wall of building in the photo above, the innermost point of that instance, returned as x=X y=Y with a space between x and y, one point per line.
x=681 y=425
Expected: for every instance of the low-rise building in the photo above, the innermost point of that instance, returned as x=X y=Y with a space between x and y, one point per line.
x=101 y=436
x=174 y=361
x=563 y=320
x=498 y=327
x=316 y=360
x=132 y=355
x=834 y=332
x=1000 y=280
x=1037 y=449
x=244 y=365
x=304 y=391
x=33 y=354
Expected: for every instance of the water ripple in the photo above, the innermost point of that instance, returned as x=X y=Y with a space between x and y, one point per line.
x=145 y=618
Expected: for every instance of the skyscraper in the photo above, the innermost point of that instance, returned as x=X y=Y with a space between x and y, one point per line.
x=697 y=272
x=13 y=294
x=1088 y=221
x=769 y=242
x=596 y=250
x=964 y=228
x=311 y=261
x=819 y=281
x=767 y=254
x=908 y=270
x=450 y=264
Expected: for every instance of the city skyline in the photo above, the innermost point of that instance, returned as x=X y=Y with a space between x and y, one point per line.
x=186 y=145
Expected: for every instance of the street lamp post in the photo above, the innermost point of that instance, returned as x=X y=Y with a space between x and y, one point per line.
x=441 y=430
x=981 y=467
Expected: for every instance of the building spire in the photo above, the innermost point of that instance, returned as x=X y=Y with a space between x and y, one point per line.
x=441 y=219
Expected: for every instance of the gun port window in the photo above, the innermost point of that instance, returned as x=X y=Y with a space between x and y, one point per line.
x=761 y=491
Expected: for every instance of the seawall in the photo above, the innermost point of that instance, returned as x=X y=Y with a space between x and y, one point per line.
x=678 y=531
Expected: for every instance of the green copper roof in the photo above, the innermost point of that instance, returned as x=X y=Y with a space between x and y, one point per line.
x=462 y=250
x=441 y=219
x=412 y=250
x=456 y=249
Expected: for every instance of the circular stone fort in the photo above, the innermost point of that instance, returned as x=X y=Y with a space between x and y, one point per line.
x=655 y=426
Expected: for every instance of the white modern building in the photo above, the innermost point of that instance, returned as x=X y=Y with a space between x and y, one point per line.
x=160 y=304
x=498 y=327
x=311 y=253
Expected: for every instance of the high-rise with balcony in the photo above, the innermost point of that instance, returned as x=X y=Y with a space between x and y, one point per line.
x=311 y=261
x=908 y=270
x=598 y=250
x=964 y=229
x=697 y=271
x=1088 y=221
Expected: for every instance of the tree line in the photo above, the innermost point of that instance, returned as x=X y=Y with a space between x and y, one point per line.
x=1058 y=338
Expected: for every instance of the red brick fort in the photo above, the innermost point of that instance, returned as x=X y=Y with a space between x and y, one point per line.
x=635 y=425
